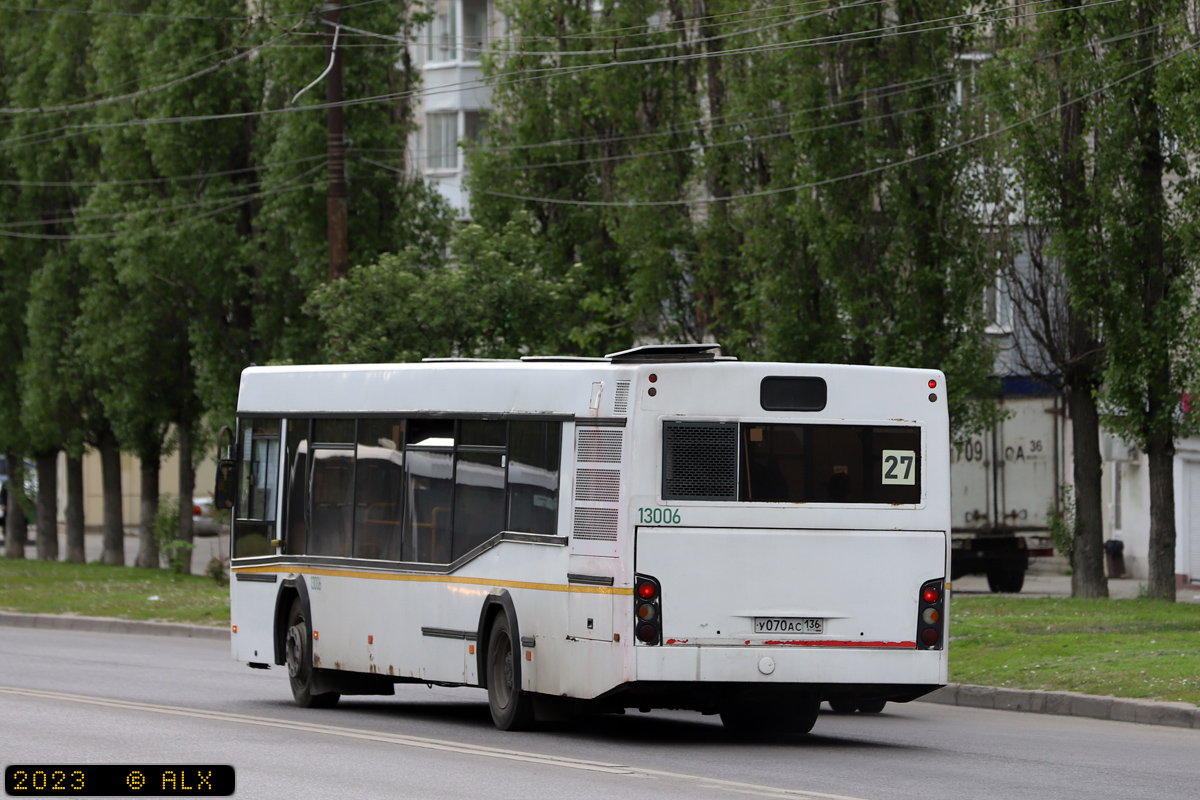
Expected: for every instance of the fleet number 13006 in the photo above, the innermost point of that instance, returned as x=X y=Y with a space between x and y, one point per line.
x=658 y=516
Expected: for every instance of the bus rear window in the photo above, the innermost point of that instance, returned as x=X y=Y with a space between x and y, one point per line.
x=783 y=463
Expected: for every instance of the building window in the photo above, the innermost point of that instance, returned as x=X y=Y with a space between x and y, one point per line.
x=474 y=28
x=997 y=304
x=443 y=34
x=441 y=141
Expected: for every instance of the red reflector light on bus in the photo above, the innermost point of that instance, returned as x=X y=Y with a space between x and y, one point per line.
x=932 y=383
x=929 y=636
x=647 y=633
x=930 y=595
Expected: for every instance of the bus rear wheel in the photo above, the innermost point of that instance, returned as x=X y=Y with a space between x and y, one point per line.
x=511 y=707
x=298 y=650
x=766 y=720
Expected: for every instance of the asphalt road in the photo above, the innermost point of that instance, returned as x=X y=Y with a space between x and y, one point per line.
x=109 y=698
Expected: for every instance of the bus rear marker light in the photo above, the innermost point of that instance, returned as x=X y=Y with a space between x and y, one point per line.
x=930 y=595
x=471 y=649
x=653 y=377
x=932 y=383
x=932 y=397
x=652 y=391
x=529 y=655
x=316 y=636
x=646 y=591
x=235 y=628
x=370 y=639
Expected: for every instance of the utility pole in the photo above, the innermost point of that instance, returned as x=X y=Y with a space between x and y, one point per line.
x=339 y=257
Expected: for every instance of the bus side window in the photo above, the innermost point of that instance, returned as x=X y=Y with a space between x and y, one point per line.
x=533 y=471
x=296 y=499
x=331 y=488
x=478 y=484
x=429 y=491
x=258 y=487
x=379 y=471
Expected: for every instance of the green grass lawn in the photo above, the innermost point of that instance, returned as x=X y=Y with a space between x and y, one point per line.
x=1128 y=648
x=97 y=590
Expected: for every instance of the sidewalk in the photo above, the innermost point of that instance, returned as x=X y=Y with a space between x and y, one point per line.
x=206 y=548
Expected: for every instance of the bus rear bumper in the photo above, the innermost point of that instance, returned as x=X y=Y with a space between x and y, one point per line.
x=765 y=665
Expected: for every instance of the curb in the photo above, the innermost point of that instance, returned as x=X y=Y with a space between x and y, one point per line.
x=110 y=625
x=1072 y=704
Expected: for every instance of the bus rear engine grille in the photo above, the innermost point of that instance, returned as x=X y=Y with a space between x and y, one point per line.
x=596 y=523
x=699 y=461
x=598 y=446
x=598 y=485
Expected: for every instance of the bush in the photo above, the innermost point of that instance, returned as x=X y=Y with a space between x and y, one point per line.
x=175 y=554
x=1062 y=523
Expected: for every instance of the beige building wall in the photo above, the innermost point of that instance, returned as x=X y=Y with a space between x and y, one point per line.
x=131 y=485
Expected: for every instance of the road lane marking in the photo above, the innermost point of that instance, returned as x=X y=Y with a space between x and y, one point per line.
x=423 y=742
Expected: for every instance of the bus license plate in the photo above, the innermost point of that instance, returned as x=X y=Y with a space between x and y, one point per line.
x=789 y=625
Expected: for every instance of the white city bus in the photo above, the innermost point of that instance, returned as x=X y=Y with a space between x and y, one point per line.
x=658 y=528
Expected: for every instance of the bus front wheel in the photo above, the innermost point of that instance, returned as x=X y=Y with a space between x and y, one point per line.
x=511 y=707
x=299 y=662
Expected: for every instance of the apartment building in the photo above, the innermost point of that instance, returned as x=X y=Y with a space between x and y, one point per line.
x=455 y=103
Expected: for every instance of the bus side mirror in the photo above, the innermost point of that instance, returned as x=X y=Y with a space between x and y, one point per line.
x=223 y=493
x=226 y=472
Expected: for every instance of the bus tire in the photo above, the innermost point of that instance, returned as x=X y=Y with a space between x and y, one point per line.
x=511 y=707
x=843 y=706
x=761 y=721
x=871 y=706
x=298 y=650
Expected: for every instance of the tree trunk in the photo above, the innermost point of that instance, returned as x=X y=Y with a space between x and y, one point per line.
x=187 y=484
x=1087 y=556
x=148 y=545
x=74 y=509
x=114 y=519
x=14 y=516
x=47 y=506
x=1160 y=452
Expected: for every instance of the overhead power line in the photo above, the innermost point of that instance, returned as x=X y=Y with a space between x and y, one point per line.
x=526 y=76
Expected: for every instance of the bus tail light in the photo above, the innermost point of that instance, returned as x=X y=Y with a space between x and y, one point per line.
x=931 y=616
x=647 y=610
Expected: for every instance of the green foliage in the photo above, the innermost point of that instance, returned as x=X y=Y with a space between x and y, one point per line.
x=1061 y=522
x=175 y=553
x=488 y=298
x=218 y=570
x=880 y=261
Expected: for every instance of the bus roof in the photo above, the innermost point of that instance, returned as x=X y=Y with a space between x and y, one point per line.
x=611 y=388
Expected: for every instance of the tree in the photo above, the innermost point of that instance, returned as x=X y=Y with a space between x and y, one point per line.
x=1148 y=291
x=489 y=298
x=1058 y=250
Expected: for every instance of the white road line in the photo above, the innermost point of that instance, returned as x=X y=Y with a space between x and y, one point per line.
x=423 y=743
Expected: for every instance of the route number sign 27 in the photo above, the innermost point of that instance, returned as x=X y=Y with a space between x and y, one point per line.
x=899 y=467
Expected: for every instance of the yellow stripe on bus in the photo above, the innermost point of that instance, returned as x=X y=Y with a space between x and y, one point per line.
x=395 y=576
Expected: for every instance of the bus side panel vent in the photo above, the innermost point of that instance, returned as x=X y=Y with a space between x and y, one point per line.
x=596 y=524
x=598 y=445
x=700 y=461
x=598 y=485
x=621 y=399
